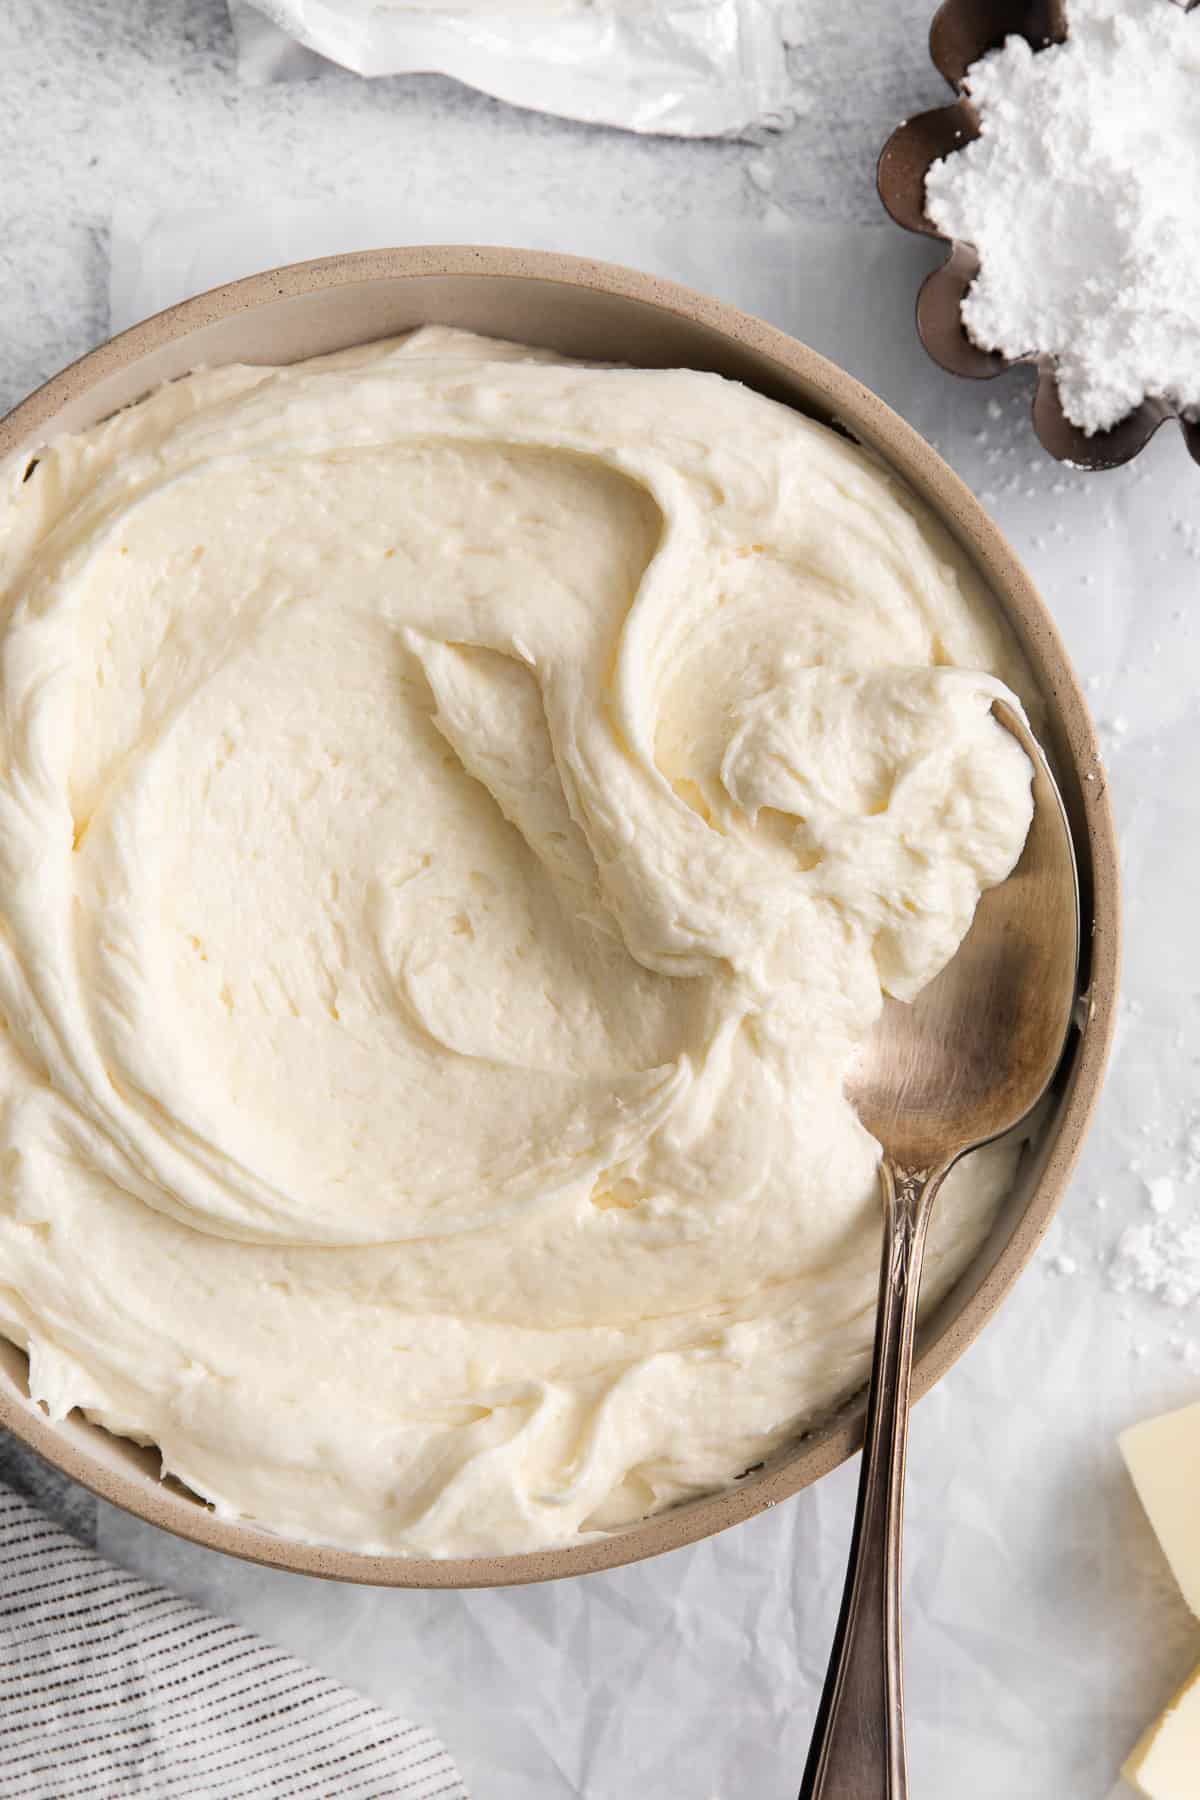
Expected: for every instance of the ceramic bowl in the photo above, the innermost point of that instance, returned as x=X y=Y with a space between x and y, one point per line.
x=595 y=311
x=962 y=32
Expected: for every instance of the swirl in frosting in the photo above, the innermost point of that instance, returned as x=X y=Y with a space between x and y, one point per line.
x=459 y=814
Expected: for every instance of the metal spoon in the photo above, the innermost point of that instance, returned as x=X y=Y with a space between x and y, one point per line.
x=965 y=1062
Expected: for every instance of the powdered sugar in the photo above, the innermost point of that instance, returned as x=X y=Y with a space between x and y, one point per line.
x=1160 y=1257
x=1160 y=1194
x=1062 y=1264
x=1082 y=198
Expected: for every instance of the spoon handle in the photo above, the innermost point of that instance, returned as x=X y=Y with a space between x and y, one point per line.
x=857 y=1750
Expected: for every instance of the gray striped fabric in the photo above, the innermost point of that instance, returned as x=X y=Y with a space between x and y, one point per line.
x=110 y=1687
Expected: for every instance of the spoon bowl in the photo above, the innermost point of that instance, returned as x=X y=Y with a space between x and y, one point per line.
x=962 y=1064
x=971 y=1056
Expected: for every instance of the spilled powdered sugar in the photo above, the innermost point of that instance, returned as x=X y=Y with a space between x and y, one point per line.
x=1082 y=197
x=1160 y=1255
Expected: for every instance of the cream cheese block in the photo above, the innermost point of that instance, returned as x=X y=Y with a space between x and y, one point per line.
x=1166 y=1763
x=1163 y=1456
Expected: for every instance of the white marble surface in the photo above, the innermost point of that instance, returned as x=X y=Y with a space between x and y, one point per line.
x=138 y=99
x=1045 y=1627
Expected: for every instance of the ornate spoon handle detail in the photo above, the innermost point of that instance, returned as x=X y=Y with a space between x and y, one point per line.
x=858 y=1742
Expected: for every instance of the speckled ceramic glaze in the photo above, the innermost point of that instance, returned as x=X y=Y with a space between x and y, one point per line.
x=597 y=311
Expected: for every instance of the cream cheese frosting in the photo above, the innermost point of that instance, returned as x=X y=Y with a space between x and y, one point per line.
x=459 y=814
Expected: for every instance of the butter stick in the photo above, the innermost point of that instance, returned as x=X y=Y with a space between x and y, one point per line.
x=1166 y=1763
x=1163 y=1456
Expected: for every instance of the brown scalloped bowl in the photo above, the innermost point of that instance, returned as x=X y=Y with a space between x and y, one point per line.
x=962 y=32
x=606 y=314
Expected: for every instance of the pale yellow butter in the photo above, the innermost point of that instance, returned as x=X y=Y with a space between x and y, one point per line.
x=1163 y=1456
x=1166 y=1763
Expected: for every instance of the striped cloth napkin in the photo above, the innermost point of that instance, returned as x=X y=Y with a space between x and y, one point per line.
x=110 y=1687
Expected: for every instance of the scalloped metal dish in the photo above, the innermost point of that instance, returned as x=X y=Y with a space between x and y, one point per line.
x=962 y=32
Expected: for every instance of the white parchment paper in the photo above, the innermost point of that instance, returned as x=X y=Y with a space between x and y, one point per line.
x=691 y=68
x=1043 y=1626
